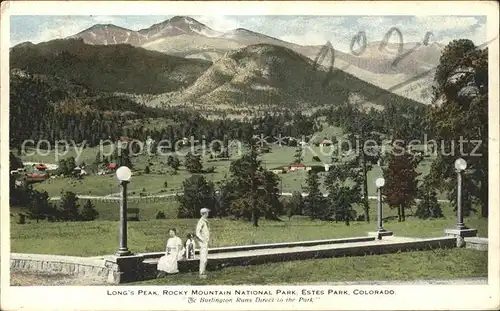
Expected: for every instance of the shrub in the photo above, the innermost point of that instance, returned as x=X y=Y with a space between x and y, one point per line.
x=161 y=215
x=429 y=207
x=210 y=170
x=89 y=212
x=22 y=219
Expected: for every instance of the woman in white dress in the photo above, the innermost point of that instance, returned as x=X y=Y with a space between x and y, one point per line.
x=173 y=253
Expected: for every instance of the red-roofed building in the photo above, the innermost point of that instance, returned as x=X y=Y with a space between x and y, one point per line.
x=325 y=143
x=111 y=168
x=36 y=177
x=41 y=167
x=125 y=139
x=297 y=167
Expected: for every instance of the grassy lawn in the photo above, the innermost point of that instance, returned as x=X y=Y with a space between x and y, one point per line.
x=433 y=264
x=107 y=184
x=154 y=183
x=101 y=237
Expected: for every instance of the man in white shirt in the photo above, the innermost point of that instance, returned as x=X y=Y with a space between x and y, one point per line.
x=203 y=236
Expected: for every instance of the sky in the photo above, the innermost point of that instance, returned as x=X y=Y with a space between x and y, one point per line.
x=305 y=30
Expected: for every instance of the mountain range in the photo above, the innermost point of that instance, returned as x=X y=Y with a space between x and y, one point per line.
x=181 y=60
x=108 y=68
x=186 y=37
x=262 y=75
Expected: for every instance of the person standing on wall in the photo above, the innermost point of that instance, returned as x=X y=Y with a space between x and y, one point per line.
x=203 y=236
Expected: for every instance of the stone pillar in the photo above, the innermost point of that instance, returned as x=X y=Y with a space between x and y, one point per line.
x=123 y=250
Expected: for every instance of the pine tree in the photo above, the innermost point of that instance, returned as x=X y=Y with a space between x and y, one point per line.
x=366 y=155
x=39 y=206
x=428 y=207
x=343 y=183
x=197 y=194
x=314 y=202
x=272 y=205
x=400 y=188
x=461 y=87
x=69 y=206
x=174 y=162
x=89 y=212
x=251 y=191
x=297 y=203
x=193 y=163
x=298 y=155
x=70 y=166
x=124 y=158
x=225 y=197
x=247 y=177
x=170 y=160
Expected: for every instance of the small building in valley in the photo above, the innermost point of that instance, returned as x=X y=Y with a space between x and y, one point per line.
x=297 y=167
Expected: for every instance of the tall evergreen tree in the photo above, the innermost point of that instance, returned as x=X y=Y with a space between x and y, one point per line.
x=298 y=155
x=247 y=175
x=459 y=116
x=193 y=163
x=252 y=191
x=197 y=194
x=314 y=202
x=428 y=207
x=400 y=188
x=297 y=203
x=343 y=182
x=366 y=143
x=39 y=206
x=89 y=212
x=69 y=207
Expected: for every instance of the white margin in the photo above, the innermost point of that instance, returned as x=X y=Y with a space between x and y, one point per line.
x=431 y=297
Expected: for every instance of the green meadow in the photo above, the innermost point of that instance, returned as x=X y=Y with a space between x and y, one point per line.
x=161 y=175
x=100 y=237
x=406 y=266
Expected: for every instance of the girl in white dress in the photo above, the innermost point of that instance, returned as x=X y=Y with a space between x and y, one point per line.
x=173 y=253
x=189 y=247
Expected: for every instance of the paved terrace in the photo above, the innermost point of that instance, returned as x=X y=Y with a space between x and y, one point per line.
x=139 y=267
x=265 y=253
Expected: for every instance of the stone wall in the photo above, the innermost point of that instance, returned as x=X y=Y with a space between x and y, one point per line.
x=140 y=267
x=92 y=268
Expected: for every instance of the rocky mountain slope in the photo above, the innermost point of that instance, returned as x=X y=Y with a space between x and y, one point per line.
x=108 y=68
x=271 y=75
x=106 y=34
x=262 y=75
x=185 y=37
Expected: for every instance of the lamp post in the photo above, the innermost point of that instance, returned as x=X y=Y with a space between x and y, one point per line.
x=461 y=231
x=380 y=182
x=460 y=166
x=123 y=174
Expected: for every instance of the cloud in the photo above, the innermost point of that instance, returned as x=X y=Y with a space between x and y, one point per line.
x=58 y=32
x=309 y=38
x=444 y=23
x=106 y=19
x=478 y=35
x=306 y=30
x=47 y=29
x=219 y=22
